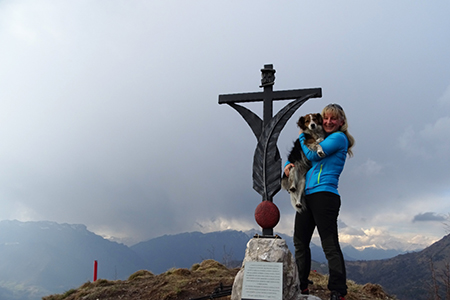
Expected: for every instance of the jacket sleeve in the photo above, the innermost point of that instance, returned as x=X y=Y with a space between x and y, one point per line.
x=331 y=144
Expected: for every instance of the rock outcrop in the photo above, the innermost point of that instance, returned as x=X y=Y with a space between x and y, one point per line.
x=271 y=250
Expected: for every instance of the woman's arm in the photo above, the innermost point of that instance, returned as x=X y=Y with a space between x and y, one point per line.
x=332 y=143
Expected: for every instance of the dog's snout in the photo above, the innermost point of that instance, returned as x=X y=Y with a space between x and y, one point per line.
x=313 y=126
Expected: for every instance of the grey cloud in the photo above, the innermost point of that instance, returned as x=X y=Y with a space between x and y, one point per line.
x=112 y=120
x=353 y=231
x=428 y=216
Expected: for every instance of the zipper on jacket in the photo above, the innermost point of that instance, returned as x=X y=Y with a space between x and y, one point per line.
x=320 y=172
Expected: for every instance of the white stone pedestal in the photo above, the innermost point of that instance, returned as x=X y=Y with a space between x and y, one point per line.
x=271 y=250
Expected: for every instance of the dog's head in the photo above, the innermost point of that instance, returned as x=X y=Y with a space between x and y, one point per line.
x=310 y=121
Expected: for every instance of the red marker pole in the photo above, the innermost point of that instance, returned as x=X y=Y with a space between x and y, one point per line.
x=95 y=270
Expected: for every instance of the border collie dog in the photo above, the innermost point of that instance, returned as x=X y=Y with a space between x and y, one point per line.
x=311 y=125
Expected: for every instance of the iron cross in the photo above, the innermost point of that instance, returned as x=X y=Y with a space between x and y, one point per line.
x=267 y=161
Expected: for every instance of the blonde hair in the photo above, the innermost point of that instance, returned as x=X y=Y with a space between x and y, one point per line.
x=338 y=112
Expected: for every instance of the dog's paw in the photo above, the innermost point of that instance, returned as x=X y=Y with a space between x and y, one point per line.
x=299 y=207
x=321 y=153
x=319 y=140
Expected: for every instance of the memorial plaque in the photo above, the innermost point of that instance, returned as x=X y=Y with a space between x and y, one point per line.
x=263 y=281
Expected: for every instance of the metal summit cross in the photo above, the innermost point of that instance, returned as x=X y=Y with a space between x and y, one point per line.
x=267 y=165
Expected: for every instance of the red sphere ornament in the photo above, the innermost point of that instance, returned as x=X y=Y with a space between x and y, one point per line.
x=267 y=214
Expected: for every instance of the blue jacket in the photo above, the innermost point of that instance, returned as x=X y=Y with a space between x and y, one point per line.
x=324 y=173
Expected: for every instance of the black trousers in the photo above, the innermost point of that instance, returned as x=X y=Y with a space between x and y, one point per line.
x=322 y=210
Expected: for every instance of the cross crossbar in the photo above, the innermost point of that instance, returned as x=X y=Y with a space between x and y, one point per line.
x=276 y=95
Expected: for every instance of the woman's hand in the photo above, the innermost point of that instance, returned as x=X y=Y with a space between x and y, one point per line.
x=287 y=169
x=300 y=131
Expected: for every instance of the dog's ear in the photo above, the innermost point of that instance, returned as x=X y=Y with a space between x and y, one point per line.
x=319 y=119
x=301 y=123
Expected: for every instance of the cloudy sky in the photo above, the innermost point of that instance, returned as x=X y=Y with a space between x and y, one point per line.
x=109 y=113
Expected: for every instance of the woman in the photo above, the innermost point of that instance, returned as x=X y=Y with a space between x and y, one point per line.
x=323 y=201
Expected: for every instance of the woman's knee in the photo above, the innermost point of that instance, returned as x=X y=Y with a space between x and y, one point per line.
x=300 y=244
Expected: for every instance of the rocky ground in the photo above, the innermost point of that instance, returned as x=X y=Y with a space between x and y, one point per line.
x=201 y=280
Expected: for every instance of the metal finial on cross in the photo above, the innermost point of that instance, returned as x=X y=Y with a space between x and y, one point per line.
x=267 y=163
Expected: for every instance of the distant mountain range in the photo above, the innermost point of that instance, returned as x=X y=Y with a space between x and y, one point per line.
x=43 y=258
x=415 y=275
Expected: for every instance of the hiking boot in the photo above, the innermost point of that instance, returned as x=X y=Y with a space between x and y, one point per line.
x=336 y=296
x=305 y=291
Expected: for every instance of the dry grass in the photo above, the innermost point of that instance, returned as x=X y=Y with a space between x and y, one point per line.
x=355 y=291
x=199 y=280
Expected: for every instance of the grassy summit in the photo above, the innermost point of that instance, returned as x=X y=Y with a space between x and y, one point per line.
x=200 y=280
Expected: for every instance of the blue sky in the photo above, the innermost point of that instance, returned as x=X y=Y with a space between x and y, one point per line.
x=109 y=112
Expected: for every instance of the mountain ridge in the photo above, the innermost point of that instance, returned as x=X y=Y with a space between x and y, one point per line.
x=47 y=250
x=410 y=275
x=55 y=257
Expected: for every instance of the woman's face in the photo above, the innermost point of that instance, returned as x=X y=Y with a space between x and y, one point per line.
x=331 y=123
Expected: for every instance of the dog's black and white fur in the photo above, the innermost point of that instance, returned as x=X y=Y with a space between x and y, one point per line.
x=311 y=125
